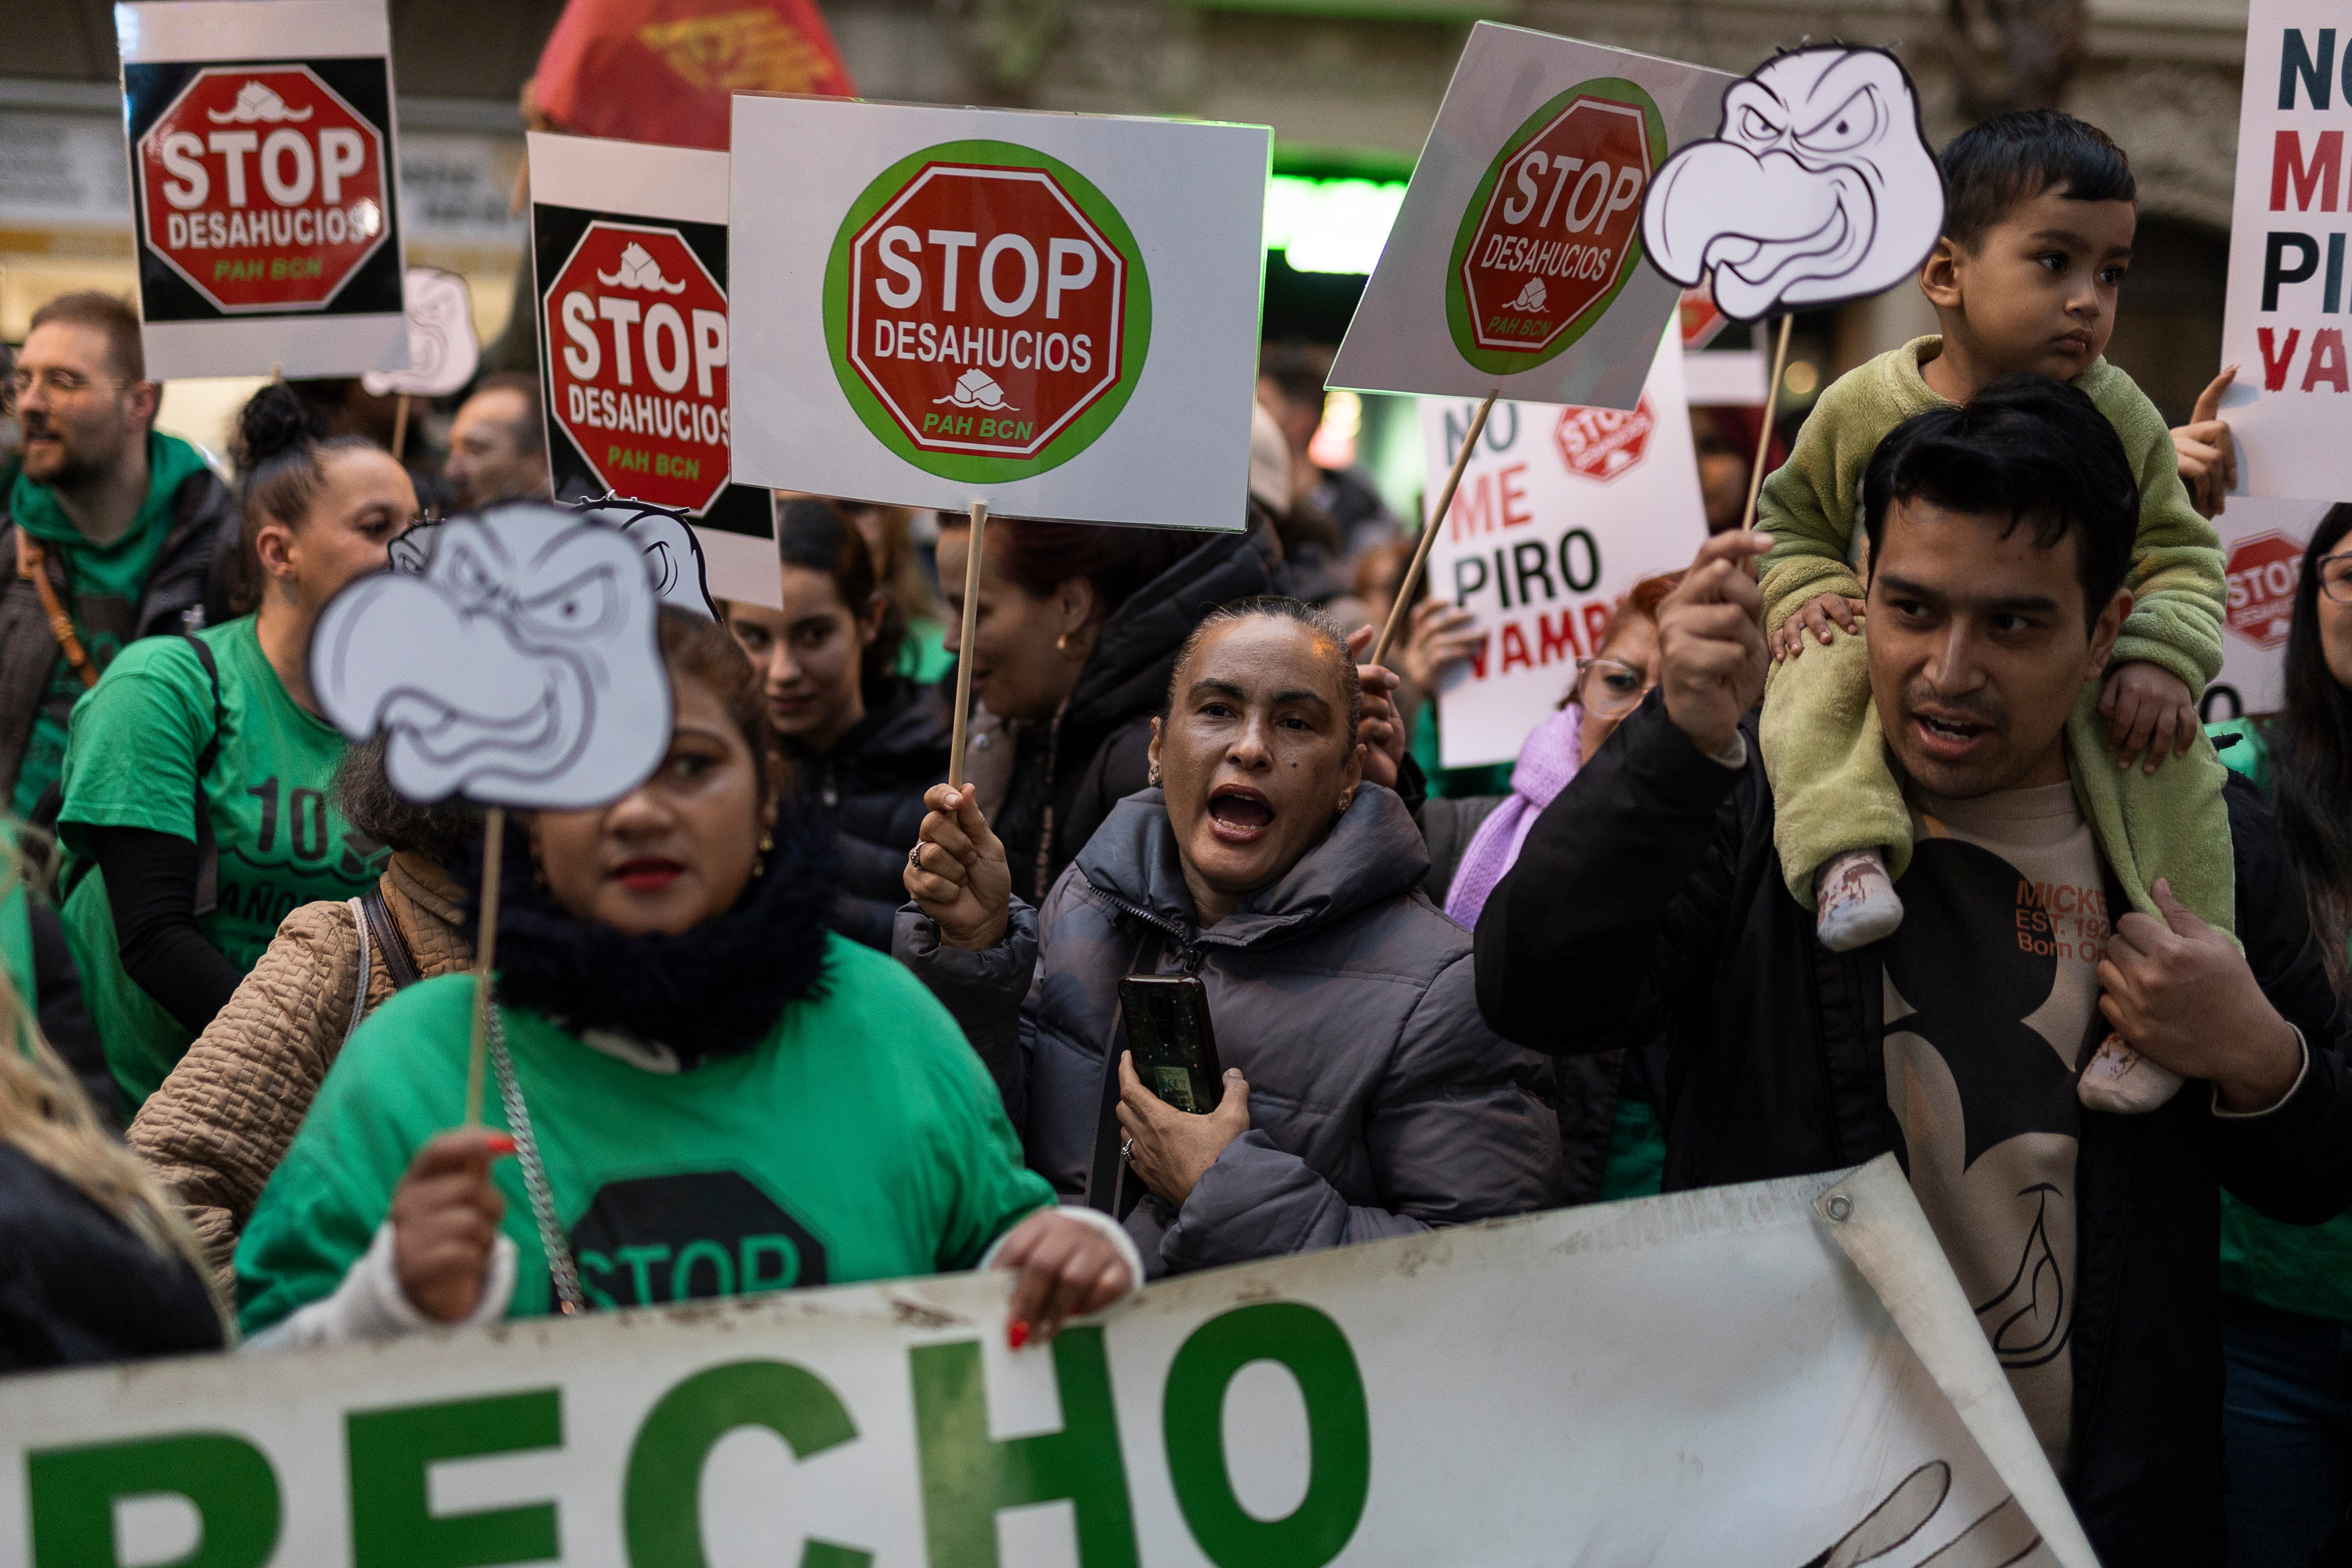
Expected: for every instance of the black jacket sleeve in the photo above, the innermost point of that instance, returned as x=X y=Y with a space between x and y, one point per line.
x=64 y=1016
x=150 y=887
x=1617 y=903
x=2294 y=1165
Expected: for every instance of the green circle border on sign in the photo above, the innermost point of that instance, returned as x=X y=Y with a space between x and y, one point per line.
x=964 y=467
x=1457 y=308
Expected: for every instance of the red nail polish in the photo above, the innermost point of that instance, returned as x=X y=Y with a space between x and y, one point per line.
x=498 y=1143
x=1016 y=1333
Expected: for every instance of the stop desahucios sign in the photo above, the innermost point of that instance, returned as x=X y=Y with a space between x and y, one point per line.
x=2262 y=574
x=636 y=333
x=263 y=188
x=1554 y=228
x=987 y=310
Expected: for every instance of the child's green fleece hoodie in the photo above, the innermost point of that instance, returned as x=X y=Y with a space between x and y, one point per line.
x=1832 y=788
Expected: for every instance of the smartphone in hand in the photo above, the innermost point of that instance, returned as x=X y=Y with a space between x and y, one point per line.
x=1174 y=1044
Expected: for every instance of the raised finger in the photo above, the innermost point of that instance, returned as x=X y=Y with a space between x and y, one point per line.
x=2209 y=401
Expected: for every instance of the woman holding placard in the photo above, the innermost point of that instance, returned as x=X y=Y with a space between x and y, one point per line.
x=864 y=741
x=1078 y=626
x=198 y=777
x=2286 y=1291
x=709 y=1095
x=1343 y=1086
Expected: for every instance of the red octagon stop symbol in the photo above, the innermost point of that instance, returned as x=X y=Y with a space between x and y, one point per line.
x=1602 y=443
x=263 y=188
x=1559 y=225
x=985 y=311
x=2262 y=573
x=637 y=335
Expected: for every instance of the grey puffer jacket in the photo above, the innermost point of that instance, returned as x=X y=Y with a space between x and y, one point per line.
x=1380 y=1102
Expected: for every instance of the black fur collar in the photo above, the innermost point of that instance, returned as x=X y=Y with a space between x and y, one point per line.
x=715 y=991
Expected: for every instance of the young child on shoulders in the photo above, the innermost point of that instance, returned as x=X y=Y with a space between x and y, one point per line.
x=2040 y=213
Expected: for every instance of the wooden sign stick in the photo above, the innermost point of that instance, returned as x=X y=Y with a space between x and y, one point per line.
x=1398 y=611
x=399 y=427
x=1764 y=436
x=964 y=647
x=486 y=958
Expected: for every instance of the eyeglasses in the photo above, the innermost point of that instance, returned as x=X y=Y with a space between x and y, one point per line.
x=1608 y=689
x=2336 y=576
x=63 y=384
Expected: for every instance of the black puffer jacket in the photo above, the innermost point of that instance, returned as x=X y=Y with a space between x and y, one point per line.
x=871 y=784
x=1649 y=900
x=1068 y=773
x=77 y=1288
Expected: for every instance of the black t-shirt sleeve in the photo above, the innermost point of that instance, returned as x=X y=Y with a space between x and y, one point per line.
x=151 y=886
x=65 y=1016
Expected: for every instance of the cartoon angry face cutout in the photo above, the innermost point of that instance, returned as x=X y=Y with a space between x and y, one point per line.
x=519 y=668
x=1819 y=187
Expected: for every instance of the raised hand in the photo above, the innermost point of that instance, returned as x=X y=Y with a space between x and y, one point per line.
x=1711 y=654
x=1381 y=732
x=957 y=873
x=2207 y=453
x=445 y=1221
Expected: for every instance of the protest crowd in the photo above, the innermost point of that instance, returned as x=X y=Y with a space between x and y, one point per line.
x=1887 y=823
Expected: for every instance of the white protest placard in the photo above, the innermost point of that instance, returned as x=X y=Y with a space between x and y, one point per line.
x=1561 y=510
x=2262 y=542
x=1734 y=1390
x=1516 y=259
x=264 y=186
x=2288 y=310
x=443 y=352
x=629 y=253
x=1055 y=314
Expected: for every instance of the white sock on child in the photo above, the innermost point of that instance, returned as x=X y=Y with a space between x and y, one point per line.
x=1856 y=901
x=2121 y=1081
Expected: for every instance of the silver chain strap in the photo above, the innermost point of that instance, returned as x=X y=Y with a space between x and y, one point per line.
x=560 y=1269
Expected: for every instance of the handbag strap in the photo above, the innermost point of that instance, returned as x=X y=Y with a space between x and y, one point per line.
x=399 y=963
x=31 y=566
x=360 y=990
x=561 y=1272
x=1106 y=1172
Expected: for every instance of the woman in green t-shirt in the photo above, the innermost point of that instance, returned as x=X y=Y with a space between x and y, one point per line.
x=2286 y=1301
x=712 y=1095
x=198 y=811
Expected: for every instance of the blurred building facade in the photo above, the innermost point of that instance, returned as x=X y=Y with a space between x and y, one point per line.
x=1349 y=86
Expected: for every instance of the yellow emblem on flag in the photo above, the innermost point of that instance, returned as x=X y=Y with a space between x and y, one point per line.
x=752 y=49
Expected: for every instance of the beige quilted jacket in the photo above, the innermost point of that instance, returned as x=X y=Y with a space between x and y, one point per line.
x=222 y=1121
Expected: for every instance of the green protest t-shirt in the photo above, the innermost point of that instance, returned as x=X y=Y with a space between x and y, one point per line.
x=862 y=1140
x=103 y=587
x=130 y=762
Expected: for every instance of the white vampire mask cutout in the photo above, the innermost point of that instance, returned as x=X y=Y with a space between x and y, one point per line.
x=518 y=667
x=1819 y=187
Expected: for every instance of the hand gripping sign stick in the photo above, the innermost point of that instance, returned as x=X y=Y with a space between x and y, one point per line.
x=964 y=647
x=1403 y=605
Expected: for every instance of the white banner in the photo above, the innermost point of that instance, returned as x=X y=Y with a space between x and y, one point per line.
x=1561 y=511
x=2263 y=544
x=1700 y=1379
x=2285 y=323
x=1055 y=313
x=1516 y=261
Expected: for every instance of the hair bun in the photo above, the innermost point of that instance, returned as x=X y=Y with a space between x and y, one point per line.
x=273 y=420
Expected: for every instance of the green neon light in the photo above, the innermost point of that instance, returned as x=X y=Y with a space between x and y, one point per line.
x=1331 y=226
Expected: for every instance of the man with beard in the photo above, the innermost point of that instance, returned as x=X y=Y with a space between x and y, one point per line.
x=110 y=531
x=1649 y=900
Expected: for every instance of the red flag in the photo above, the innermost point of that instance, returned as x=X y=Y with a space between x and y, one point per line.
x=662 y=70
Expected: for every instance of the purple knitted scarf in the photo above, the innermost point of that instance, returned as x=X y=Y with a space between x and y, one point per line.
x=1548 y=759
